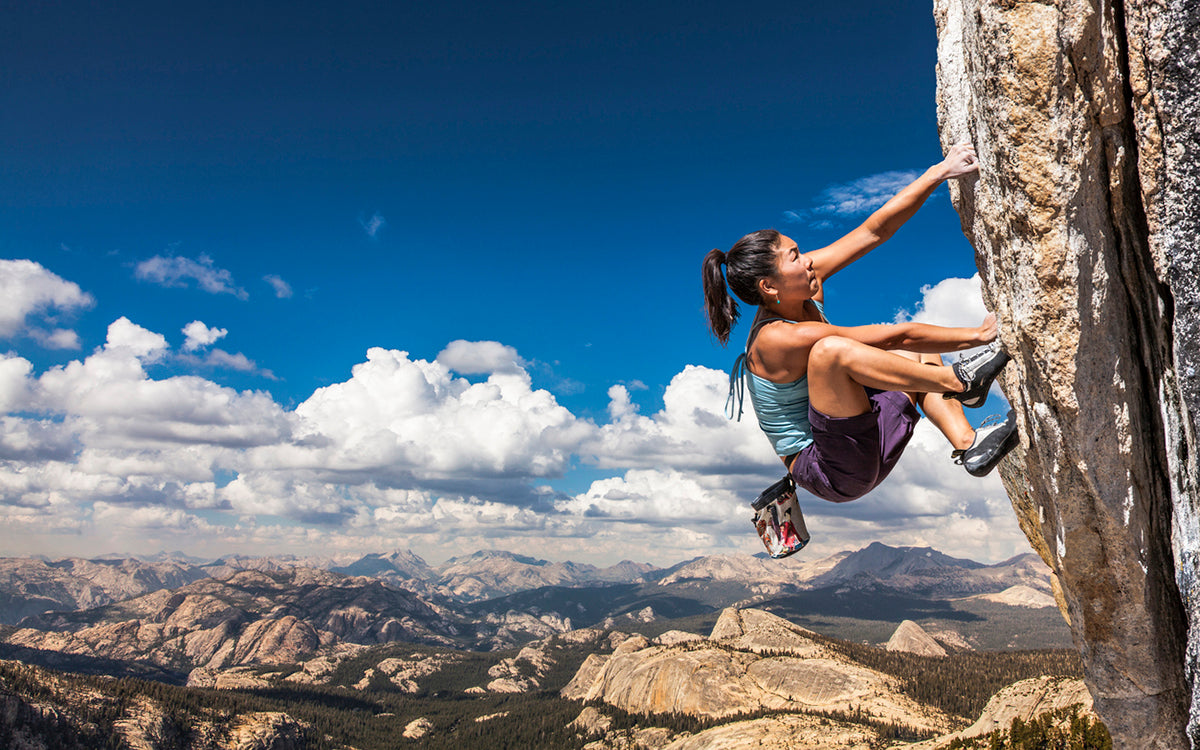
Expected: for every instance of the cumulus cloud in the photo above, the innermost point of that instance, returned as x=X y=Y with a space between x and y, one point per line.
x=283 y=290
x=199 y=335
x=27 y=289
x=480 y=357
x=429 y=452
x=142 y=343
x=950 y=302
x=221 y=359
x=112 y=388
x=397 y=416
x=690 y=432
x=178 y=271
x=58 y=338
x=14 y=382
x=852 y=200
x=662 y=498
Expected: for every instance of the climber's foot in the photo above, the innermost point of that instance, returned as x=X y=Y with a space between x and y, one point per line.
x=977 y=373
x=993 y=440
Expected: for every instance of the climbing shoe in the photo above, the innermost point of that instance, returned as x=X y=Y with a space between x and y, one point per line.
x=993 y=440
x=977 y=373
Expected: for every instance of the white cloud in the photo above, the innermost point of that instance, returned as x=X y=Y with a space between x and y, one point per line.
x=691 y=431
x=14 y=382
x=199 y=335
x=480 y=357
x=126 y=336
x=852 y=199
x=111 y=388
x=412 y=416
x=669 y=498
x=950 y=302
x=283 y=290
x=219 y=359
x=27 y=289
x=58 y=338
x=414 y=453
x=177 y=271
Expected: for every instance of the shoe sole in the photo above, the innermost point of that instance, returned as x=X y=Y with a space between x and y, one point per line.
x=1006 y=447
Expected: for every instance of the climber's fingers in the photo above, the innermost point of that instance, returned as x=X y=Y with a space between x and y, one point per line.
x=961 y=160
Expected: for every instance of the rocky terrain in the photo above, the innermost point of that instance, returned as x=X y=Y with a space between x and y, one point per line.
x=224 y=631
x=1024 y=700
x=286 y=634
x=488 y=574
x=29 y=586
x=816 y=697
x=754 y=678
x=1084 y=215
x=751 y=661
x=41 y=710
x=912 y=638
x=251 y=617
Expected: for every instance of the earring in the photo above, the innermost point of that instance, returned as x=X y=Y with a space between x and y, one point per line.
x=778 y=301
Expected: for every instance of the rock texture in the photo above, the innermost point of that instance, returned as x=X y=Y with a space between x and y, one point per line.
x=1085 y=217
x=29 y=586
x=1025 y=700
x=784 y=732
x=45 y=709
x=912 y=638
x=751 y=661
x=251 y=617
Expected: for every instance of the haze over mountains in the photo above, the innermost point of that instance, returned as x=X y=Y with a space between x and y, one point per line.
x=238 y=611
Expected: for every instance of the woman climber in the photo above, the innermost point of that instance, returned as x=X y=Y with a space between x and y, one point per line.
x=839 y=403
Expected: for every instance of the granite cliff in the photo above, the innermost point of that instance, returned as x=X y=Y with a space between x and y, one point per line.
x=1084 y=218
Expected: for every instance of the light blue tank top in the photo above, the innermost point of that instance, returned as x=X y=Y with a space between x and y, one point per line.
x=782 y=408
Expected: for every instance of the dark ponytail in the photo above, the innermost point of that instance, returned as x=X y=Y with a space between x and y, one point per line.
x=751 y=258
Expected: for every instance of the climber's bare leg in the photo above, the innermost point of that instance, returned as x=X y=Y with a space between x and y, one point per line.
x=839 y=368
x=946 y=414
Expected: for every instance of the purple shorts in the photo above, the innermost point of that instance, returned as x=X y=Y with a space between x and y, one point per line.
x=850 y=456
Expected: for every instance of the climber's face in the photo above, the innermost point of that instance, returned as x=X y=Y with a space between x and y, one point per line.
x=795 y=279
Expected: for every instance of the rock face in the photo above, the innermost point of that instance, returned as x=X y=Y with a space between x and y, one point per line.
x=1025 y=700
x=1085 y=217
x=44 y=709
x=252 y=617
x=751 y=661
x=912 y=638
x=30 y=586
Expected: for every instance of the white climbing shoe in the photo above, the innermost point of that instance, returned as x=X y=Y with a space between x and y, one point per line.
x=993 y=440
x=977 y=373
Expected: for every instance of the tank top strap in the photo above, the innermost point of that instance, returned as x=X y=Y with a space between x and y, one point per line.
x=736 y=400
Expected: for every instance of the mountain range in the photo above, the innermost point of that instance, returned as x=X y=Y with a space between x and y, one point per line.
x=496 y=623
x=240 y=611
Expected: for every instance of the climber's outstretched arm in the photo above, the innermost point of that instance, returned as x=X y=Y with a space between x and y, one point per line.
x=783 y=350
x=882 y=224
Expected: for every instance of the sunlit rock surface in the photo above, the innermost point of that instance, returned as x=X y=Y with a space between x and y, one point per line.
x=751 y=661
x=1025 y=700
x=912 y=638
x=1085 y=218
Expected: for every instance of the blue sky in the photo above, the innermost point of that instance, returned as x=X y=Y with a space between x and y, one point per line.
x=298 y=184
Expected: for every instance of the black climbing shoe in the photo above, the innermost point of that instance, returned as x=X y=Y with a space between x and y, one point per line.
x=993 y=440
x=977 y=373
